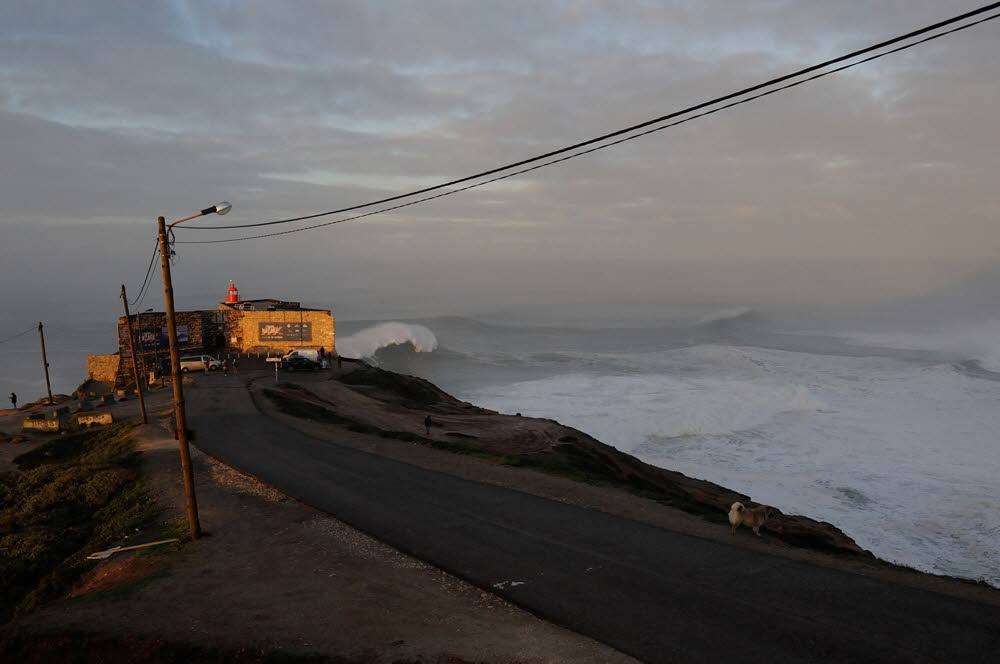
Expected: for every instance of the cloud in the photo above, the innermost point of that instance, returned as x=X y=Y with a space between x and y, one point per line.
x=114 y=112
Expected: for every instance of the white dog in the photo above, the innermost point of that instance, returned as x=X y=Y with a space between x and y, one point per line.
x=751 y=517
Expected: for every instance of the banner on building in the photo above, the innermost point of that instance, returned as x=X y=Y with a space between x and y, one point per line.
x=285 y=332
x=153 y=337
x=149 y=338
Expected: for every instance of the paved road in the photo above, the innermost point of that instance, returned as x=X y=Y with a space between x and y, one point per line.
x=656 y=595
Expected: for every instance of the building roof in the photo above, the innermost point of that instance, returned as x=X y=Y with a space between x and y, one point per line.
x=267 y=304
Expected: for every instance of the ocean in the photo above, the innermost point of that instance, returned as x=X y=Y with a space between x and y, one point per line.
x=887 y=429
x=890 y=436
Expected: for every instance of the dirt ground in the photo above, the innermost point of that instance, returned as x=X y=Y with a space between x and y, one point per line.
x=276 y=575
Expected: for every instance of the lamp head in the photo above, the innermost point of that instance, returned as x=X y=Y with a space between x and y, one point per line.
x=221 y=208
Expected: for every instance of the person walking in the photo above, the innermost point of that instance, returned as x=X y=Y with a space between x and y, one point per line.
x=427 y=424
x=225 y=367
x=13 y=400
x=236 y=365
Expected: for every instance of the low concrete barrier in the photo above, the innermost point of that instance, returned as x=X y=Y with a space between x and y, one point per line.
x=93 y=419
x=40 y=423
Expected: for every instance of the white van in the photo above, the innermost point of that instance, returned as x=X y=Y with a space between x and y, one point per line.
x=200 y=363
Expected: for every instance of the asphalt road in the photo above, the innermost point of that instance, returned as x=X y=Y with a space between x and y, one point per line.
x=657 y=595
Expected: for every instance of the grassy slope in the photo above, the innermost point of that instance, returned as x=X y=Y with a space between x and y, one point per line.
x=76 y=494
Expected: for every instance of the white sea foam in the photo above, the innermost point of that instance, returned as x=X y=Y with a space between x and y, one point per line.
x=366 y=342
x=625 y=410
x=979 y=341
x=902 y=456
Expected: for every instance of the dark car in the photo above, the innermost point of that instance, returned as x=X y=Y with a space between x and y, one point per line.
x=297 y=363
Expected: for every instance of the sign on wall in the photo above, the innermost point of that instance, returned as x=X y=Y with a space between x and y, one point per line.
x=159 y=337
x=182 y=335
x=284 y=332
x=149 y=338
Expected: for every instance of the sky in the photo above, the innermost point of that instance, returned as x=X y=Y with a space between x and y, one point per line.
x=876 y=182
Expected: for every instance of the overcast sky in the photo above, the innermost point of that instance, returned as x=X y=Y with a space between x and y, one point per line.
x=112 y=113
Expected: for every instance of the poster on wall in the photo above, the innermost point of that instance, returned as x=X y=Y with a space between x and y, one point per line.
x=284 y=332
x=182 y=335
x=150 y=338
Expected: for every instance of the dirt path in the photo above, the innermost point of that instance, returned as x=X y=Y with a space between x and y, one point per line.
x=276 y=575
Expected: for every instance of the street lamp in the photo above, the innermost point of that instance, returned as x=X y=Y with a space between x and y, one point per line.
x=190 y=501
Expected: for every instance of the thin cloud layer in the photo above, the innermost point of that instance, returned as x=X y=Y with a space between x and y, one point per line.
x=113 y=113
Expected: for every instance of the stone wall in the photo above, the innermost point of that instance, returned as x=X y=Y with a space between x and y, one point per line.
x=280 y=330
x=202 y=328
x=103 y=368
x=198 y=331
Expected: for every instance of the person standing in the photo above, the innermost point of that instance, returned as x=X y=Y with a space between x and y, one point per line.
x=236 y=365
x=13 y=400
x=225 y=367
x=427 y=424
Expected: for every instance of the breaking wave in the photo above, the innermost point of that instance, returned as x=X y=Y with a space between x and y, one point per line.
x=727 y=314
x=365 y=343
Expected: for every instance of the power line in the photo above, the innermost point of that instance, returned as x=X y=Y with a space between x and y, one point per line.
x=19 y=334
x=599 y=147
x=146 y=281
x=627 y=130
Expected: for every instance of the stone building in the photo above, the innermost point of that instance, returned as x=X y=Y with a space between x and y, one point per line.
x=237 y=326
x=275 y=325
x=197 y=332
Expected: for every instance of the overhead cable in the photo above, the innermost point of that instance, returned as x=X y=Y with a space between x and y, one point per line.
x=596 y=148
x=146 y=281
x=19 y=334
x=626 y=130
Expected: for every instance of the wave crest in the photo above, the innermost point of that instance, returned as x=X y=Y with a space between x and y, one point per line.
x=726 y=315
x=365 y=343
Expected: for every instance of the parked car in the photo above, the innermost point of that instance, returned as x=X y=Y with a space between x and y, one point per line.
x=299 y=363
x=311 y=353
x=200 y=363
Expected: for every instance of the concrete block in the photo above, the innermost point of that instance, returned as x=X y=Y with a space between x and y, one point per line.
x=40 y=423
x=93 y=419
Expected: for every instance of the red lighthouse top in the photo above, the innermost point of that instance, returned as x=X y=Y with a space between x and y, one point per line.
x=233 y=296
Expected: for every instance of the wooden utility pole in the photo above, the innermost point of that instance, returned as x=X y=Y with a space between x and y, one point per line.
x=191 y=502
x=45 y=363
x=135 y=357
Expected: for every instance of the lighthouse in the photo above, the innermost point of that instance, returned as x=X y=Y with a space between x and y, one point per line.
x=233 y=296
